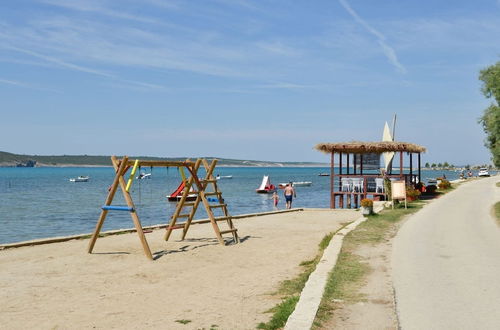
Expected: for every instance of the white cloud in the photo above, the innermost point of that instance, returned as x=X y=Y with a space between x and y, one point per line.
x=388 y=50
x=58 y=62
x=25 y=85
x=12 y=82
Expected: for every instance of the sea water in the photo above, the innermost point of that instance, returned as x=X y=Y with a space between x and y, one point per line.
x=42 y=202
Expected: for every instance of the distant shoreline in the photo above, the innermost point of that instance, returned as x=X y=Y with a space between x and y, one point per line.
x=229 y=166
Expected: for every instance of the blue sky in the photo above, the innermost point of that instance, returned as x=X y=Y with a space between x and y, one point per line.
x=243 y=79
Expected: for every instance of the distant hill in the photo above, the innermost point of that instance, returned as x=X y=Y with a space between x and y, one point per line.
x=11 y=160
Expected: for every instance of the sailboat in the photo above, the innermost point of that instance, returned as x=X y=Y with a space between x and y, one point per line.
x=388 y=137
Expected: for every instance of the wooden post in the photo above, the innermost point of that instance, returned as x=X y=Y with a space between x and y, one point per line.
x=341 y=200
x=109 y=199
x=354 y=158
x=347 y=166
x=419 y=169
x=332 y=175
x=401 y=165
x=361 y=164
x=411 y=167
x=135 y=218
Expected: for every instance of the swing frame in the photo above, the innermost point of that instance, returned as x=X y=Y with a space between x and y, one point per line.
x=121 y=166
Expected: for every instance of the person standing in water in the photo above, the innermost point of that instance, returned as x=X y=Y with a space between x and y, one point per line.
x=289 y=193
x=275 y=199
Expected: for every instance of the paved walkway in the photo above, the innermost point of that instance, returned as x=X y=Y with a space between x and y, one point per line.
x=446 y=262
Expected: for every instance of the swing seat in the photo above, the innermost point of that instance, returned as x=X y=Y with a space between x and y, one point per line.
x=117 y=208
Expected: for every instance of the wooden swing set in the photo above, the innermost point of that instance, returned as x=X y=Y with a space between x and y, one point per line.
x=193 y=186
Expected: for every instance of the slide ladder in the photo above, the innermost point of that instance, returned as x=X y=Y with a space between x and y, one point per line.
x=187 y=210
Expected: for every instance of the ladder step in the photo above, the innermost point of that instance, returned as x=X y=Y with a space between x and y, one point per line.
x=176 y=227
x=222 y=218
x=212 y=193
x=234 y=230
x=209 y=181
x=217 y=205
x=185 y=215
x=189 y=204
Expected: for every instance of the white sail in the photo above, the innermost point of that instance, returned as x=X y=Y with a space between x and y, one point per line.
x=388 y=156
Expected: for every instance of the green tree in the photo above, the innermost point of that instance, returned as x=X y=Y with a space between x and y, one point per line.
x=490 y=120
x=427 y=165
x=433 y=165
x=440 y=165
x=446 y=164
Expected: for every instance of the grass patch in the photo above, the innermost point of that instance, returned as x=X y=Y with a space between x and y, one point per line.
x=183 y=321
x=290 y=289
x=350 y=271
x=496 y=210
x=498 y=184
x=281 y=314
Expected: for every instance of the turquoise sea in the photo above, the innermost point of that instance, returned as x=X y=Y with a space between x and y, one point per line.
x=42 y=202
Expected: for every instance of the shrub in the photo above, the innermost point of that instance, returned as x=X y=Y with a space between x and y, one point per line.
x=412 y=192
x=366 y=202
x=444 y=184
x=430 y=189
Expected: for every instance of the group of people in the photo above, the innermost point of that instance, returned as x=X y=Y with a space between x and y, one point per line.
x=462 y=174
x=288 y=192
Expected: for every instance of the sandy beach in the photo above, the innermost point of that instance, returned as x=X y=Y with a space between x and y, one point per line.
x=60 y=286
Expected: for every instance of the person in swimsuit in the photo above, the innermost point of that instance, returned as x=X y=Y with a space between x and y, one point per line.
x=275 y=199
x=289 y=193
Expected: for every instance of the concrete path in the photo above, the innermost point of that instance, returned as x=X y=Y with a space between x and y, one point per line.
x=446 y=262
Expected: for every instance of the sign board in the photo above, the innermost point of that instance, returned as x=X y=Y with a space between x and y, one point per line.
x=398 y=189
x=370 y=161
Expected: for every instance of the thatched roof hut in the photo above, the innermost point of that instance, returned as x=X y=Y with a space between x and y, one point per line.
x=359 y=147
x=366 y=154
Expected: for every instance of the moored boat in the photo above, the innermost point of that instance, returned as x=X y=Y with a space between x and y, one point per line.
x=80 y=179
x=296 y=184
x=220 y=177
x=143 y=176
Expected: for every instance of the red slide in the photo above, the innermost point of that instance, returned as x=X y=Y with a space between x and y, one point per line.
x=178 y=190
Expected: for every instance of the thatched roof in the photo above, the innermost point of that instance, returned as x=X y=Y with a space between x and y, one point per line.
x=358 y=147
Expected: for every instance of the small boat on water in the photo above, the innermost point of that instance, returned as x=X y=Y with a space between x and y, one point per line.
x=80 y=179
x=296 y=184
x=220 y=177
x=324 y=174
x=177 y=194
x=143 y=176
x=266 y=187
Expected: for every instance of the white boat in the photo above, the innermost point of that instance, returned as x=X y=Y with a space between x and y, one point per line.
x=143 y=176
x=296 y=184
x=220 y=177
x=80 y=179
x=483 y=172
x=266 y=186
x=324 y=174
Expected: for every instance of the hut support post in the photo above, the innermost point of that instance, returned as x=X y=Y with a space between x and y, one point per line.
x=347 y=164
x=419 y=168
x=411 y=167
x=332 y=175
x=401 y=165
x=341 y=198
